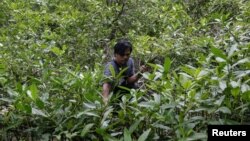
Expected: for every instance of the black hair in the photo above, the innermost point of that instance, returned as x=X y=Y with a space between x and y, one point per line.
x=121 y=46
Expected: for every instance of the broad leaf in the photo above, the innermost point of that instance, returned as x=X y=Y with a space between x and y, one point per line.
x=86 y=129
x=135 y=125
x=167 y=64
x=38 y=112
x=224 y=110
x=220 y=100
x=112 y=70
x=197 y=136
x=144 y=136
x=33 y=92
x=106 y=114
x=219 y=53
x=127 y=135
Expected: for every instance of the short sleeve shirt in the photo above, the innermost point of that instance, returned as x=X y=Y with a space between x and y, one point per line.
x=129 y=66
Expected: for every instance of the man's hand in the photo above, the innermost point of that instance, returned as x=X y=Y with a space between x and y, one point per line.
x=143 y=69
x=138 y=75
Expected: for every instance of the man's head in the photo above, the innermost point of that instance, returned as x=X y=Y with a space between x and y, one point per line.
x=122 y=51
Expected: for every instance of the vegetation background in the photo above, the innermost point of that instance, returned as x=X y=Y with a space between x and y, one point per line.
x=51 y=62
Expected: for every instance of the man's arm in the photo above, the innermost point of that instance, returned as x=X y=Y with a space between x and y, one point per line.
x=137 y=76
x=105 y=92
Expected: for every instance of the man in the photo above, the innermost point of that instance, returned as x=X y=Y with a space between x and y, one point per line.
x=121 y=62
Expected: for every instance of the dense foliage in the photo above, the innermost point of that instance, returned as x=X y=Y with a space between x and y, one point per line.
x=51 y=64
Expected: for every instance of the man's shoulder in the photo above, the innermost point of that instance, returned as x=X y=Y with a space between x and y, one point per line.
x=111 y=63
x=130 y=61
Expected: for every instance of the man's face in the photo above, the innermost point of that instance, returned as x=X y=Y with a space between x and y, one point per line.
x=122 y=59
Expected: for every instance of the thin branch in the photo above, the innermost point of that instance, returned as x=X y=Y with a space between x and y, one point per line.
x=115 y=23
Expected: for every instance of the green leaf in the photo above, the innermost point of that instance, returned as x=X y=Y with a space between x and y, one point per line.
x=57 y=51
x=168 y=106
x=245 y=88
x=121 y=73
x=186 y=75
x=144 y=136
x=156 y=67
x=20 y=106
x=135 y=125
x=233 y=49
x=33 y=92
x=86 y=112
x=127 y=135
x=197 y=136
x=91 y=114
x=157 y=75
x=8 y=100
x=157 y=125
x=189 y=70
x=246 y=95
x=157 y=98
x=70 y=135
x=38 y=112
x=105 y=115
x=27 y=108
x=89 y=105
x=219 y=53
x=242 y=61
x=220 y=100
x=146 y=75
x=224 y=110
x=222 y=85
x=187 y=84
x=2 y=80
x=125 y=88
x=112 y=70
x=167 y=64
x=146 y=104
x=241 y=74
x=86 y=129
x=39 y=103
x=202 y=74
x=235 y=91
x=2 y=67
